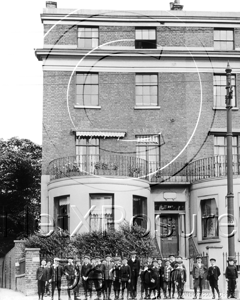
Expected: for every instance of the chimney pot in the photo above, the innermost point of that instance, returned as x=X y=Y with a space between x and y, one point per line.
x=51 y=4
x=176 y=5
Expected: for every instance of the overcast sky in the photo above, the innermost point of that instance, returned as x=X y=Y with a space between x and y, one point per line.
x=21 y=72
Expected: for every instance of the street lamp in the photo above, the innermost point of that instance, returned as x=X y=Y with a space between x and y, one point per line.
x=230 y=195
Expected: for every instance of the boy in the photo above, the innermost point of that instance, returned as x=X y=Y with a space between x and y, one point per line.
x=180 y=278
x=154 y=279
x=166 y=279
x=85 y=270
x=125 y=276
x=212 y=277
x=144 y=280
x=161 y=276
x=108 y=277
x=231 y=275
x=116 y=275
x=198 y=273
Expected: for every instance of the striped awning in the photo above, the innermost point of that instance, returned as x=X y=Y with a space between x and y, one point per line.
x=100 y=133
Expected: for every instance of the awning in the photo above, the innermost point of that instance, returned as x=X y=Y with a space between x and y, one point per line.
x=100 y=133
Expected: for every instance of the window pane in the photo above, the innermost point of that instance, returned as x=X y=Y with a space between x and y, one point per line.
x=139 y=90
x=138 y=33
x=146 y=99
x=94 y=43
x=217 y=46
x=94 y=100
x=152 y=34
x=139 y=100
x=81 y=32
x=229 y=45
x=146 y=79
x=216 y=35
x=153 y=90
x=88 y=43
x=154 y=79
x=94 y=90
x=223 y=35
x=79 y=89
x=230 y=35
x=94 y=78
x=139 y=79
x=145 y=34
x=153 y=100
x=146 y=90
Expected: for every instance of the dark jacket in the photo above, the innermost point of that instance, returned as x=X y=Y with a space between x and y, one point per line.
x=56 y=273
x=198 y=272
x=135 y=267
x=154 y=277
x=98 y=272
x=69 y=271
x=231 y=272
x=86 y=269
x=107 y=274
x=213 y=273
x=116 y=272
x=42 y=274
x=126 y=273
x=180 y=275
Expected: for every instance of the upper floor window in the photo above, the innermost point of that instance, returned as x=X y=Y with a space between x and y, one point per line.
x=87 y=37
x=148 y=149
x=209 y=219
x=87 y=89
x=220 y=153
x=145 y=38
x=146 y=89
x=223 y=39
x=219 y=81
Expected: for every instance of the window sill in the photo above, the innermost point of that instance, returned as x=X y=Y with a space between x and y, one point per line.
x=209 y=241
x=224 y=108
x=147 y=107
x=86 y=106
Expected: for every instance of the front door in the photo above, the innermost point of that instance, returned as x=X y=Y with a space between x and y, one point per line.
x=169 y=238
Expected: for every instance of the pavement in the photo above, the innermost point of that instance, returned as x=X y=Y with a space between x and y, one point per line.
x=6 y=294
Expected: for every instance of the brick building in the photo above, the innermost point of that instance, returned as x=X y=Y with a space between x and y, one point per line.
x=134 y=122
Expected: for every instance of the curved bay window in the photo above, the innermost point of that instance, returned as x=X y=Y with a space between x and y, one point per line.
x=209 y=219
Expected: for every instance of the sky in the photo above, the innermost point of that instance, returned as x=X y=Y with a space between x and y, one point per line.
x=21 y=82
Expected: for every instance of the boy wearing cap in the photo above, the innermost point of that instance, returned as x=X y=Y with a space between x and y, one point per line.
x=69 y=271
x=144 y=279
x=154 y=279
x=98 y=276
x=126 y=276
x=42 y=278
x=134 y=265
x=56 y=273
x=180 y=278
x=198 y=273
x=173 y=262
x=85 y=270
x=116 y=274
x=161 y=276
x=212 y=277
x=231 y=275
x=108 y=277
x=166 y=279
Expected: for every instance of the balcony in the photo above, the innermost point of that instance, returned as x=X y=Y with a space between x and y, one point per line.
x=126 y=166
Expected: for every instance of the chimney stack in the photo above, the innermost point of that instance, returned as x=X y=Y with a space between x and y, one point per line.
x=51 y=4
x=176 y=5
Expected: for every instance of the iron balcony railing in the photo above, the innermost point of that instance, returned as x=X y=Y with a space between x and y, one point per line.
x=120 y=165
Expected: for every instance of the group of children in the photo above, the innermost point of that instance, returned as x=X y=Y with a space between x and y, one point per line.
x=157 y=277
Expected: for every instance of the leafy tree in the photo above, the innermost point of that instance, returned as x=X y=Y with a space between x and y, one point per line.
x=20 y=177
